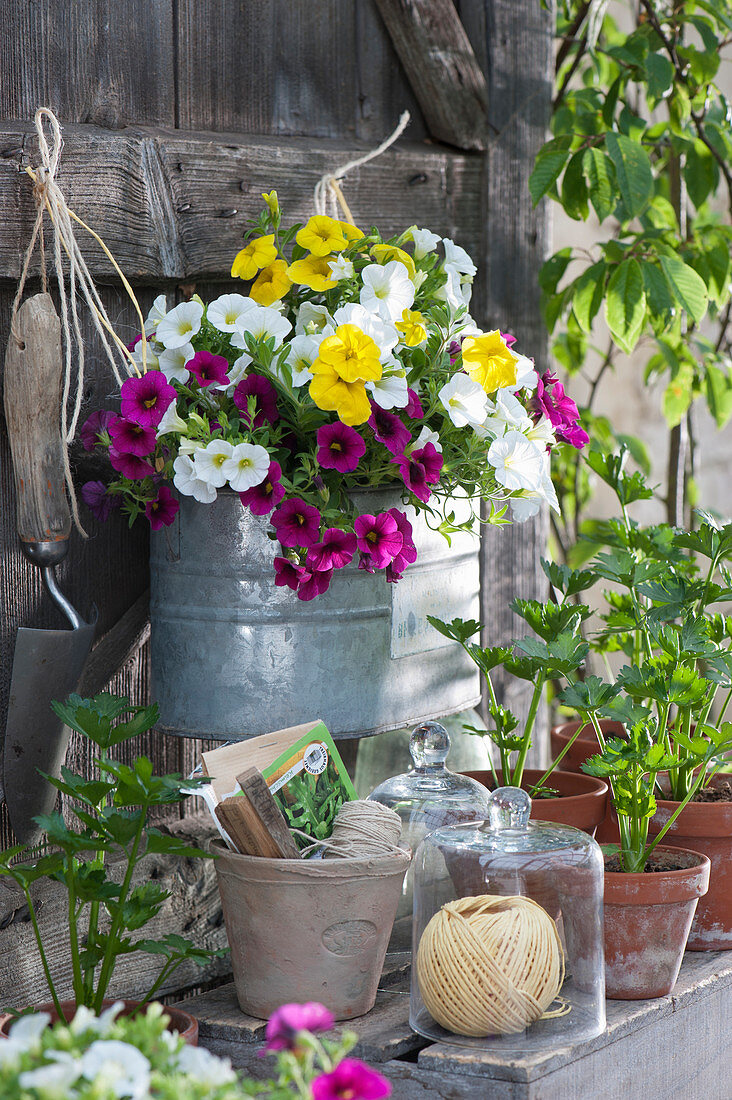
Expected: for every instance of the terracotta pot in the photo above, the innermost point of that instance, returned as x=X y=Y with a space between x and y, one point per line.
x=582 y=799
x=308 y=930
x=179 y=1021
x=705 y=827
x=647 y=922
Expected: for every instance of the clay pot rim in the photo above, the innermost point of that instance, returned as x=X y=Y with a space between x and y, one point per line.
x=566 y=729
x=176 y=1016
x=357 y=865
x=697 y=819
x=597 y=788
x=642 y=887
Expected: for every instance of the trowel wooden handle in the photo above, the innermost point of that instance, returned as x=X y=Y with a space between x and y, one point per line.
x=32 y=386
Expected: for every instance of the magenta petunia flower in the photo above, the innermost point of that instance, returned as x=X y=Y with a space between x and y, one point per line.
x=351 y=1080
x=454 y=349
x=314 y=584
x=339 y=447
x=285 y=1022
x=420 y=469
x=262 y=498
x=296 y=523
x=551 y=401
x=378 y=536
x=145 y=399
x=408 y=552
x=208 y=369
x=414 y=405
x=260 y=388
x=100 y=503
x=388 y=429
x=134 y=342
x=508 y=339
x=162 y=511
x=288 y=573
x=130 y=438
x=336 y=550
x=130 y=466
x=99 y=421
x=365 y=562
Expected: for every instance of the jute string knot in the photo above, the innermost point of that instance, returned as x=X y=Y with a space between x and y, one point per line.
x=361 y=829
x=490 y=965
x=327 y=189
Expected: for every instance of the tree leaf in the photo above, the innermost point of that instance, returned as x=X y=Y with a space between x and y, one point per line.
x=598 y=169
x=718 y=388
x=625 y=304
x=548 y=168
x=659 y=74
x=686 y=286
x=661 y=303
x=633 y=172
x=588 y=294
x=678 y=394
x=574 y=189
x=700 y=173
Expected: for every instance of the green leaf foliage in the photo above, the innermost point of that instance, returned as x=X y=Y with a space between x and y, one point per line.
x=633 y=172
x=625 y=304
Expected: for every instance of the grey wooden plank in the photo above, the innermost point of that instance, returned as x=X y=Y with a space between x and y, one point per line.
x=289 y=67
x=446 y=78
x=198 y=190
x=409 y=1082
x=109 y=62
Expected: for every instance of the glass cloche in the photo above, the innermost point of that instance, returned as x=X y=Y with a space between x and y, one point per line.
x=426 y=798
x=507 y=948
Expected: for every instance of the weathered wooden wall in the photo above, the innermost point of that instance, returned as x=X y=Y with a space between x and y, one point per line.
x=176 y=115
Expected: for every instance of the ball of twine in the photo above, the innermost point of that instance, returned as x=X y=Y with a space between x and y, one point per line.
x=490 y=965
x=363 y=829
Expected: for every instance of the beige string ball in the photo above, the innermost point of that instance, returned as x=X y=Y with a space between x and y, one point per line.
x=489 y=965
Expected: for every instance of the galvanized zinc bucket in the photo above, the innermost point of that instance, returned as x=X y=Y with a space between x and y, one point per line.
x=233 y=656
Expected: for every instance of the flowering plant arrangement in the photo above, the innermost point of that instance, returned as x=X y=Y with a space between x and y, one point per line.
x=351 y=363
x=113 y=1057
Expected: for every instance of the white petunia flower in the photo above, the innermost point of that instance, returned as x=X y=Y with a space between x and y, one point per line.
x=53 y=1080
x=529 y=503
x=507 y=414
x=246 y=467
x=186 y=479
x=171 y=422
x=121 y=1067
x=205 y=1066
x=151 y=359
x=518 y=464
x=427 y=436
x=302 y=354
x=158 y=310
x=425 y=241
x=209 y=462
x=465 y=401
x=173 y=361
x=457 y=257
x=27 y=1031
x=454 y=292
x=381 y=331
x=341 y=268
x=238 y=370
x=526 y=376
x=542 y=433
x=312 y=319
x=387 y=290
x=263 y=323
x=178 y=326
x=225 y=312
x=390 y=391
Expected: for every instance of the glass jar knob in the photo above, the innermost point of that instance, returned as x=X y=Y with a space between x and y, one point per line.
x=509 y=808
x=429 y=745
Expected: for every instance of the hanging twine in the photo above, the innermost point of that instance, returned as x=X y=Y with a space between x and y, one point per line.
x=490 y=965
x=361 y=829
x=327 y=190
x=49 y=197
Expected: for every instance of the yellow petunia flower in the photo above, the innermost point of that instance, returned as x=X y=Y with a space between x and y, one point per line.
x=348 y=399
x=271 y=284
x=383 y=253
x=351 y=354
x=313 y=271
x=259 y=253
x=413 y=327
x=351 y=232
x=489 y=361
x=270 y=197
x=321 y=235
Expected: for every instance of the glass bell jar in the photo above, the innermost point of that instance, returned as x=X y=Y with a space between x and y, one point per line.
x=427 y=797
x=507 y=950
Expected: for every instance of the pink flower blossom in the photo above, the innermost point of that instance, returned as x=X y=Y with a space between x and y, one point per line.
x=130 y=438
x=454 y=350
x=508 y=339
x=145 y=399
x=296 y=523
x=162 y=511
x=314 y=584
x=551 y=401
x=209 y=369
x=285 y=1022
x=339 y=447
x=378 y=537
x=420 y=469
x=262 y=498
x=288 y=574
x=334 y=551
x=388 y=429
x=260 y=388
x=99 y=421
x=100 y=503
x=414 y=405
x=408 y=552
x=130 y=465
x=351 y=1080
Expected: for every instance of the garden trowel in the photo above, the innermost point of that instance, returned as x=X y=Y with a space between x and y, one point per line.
x=47 y=663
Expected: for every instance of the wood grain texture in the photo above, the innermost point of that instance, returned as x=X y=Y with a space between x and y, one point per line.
x=445 y=76
x=288 y=68
x=267 y=815
x=174 y=206
x=107 y=62
x=193 y=910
